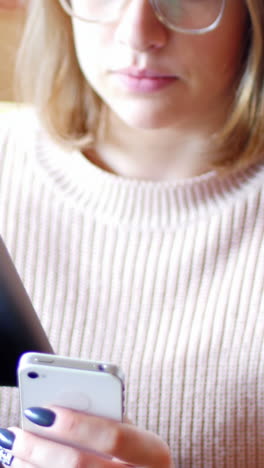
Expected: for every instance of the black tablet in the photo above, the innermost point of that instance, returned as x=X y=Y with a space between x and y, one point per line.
x=20 y=328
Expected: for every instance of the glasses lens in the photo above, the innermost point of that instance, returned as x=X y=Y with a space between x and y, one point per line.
x=189 y=15
x=102 y=11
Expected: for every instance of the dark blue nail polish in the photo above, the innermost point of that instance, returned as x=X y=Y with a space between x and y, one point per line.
x=40 y=416
x=7 y=439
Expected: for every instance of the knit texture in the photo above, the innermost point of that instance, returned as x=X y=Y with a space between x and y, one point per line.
x=164 y=279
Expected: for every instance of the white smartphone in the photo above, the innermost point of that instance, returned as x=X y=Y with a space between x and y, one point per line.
x=89 y=386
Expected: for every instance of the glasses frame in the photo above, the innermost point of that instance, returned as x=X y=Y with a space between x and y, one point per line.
x=154 y=3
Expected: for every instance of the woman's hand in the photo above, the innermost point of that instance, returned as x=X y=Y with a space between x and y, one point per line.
x=84 y=441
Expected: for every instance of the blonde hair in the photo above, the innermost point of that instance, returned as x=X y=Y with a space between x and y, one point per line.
x=71 y=110
x=48 y=76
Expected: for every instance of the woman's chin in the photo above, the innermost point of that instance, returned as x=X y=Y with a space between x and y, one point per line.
x=146 y=120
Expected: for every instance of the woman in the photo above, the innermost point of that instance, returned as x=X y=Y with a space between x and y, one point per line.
x=135 y=219
x=11 y=3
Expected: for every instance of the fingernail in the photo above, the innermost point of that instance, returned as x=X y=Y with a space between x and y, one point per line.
x=7 y=439
x=40 y=416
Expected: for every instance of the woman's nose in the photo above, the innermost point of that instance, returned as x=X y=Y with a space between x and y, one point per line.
x=138 y=27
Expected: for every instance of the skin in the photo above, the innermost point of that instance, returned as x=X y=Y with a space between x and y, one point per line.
x=173 y=128
x=8 y=4
x=117 y=441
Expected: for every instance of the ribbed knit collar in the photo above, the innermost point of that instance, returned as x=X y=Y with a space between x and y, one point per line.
x=144 y=204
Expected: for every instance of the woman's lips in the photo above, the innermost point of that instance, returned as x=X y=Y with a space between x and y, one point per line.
x=143 y=81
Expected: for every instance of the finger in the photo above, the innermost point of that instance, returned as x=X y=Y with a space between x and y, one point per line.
x=21 y=464
x=123 y=441
x=30 y=451
x=127 y=420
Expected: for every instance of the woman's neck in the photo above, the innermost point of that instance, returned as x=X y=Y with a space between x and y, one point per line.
x=161 y=154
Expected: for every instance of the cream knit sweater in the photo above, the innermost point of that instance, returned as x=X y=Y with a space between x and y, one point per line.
x=164 y=279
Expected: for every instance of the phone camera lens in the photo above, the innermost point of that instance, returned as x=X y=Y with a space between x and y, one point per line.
x=33 y=375
x=101 y=367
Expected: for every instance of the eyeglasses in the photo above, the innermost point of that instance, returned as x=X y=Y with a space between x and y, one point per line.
x=186 y=16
